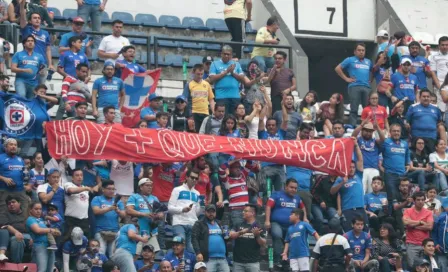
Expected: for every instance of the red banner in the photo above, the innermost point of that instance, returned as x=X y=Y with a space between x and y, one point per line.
x=86 y=140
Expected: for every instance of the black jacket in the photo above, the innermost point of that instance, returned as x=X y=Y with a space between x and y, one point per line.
x=199 y=237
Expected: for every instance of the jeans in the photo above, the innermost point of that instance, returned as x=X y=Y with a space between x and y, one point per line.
x=16 y=248
x=441 y=182
x=43 y=258
x=217 y=265
x=277 y=175
x=185 y=232
x=246 y=267
x=278 y=233
x=412 y=252
x=24 y=89
x=264 y=62
x=124 y=260
x=161 y=229
x=385 y=266
x=420 y=177
x=93 y=12
x=318 y=215
x=230 y=104
x=236 y=218
x=358 y=96
x=106 y=248
x=101 y=120
x=392 y=181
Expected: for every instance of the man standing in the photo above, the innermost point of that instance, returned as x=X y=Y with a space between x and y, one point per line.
x=396 y=160
x=208 y=242
x=418 y=222
x=206 y=62
x=294 y=118
x=42 y=38
x=26 y=64
x=282 y=80
x=402 y=201
x=358 y=68
x=111 y=46
x=249 y=238
x=266 y=35
x=149 y=114
x=184 y=206
x=71 y=58
x=128 y=62
x=77 y=25
x=236 y=14
x=439 y=63
x=382 y=38
x=403 y=85
x=420 y=65
x=91 y=9
x=107 y=91
x=423 y=119
x=227 y=75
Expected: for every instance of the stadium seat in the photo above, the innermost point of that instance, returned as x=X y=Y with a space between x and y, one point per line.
x=134 y=40
x=218 y=25
x=146 y=20
x=170 y=21
x=69 y=14
x=249 y=48
x=194 y=60
x=173 y=60
x=105 y=17
x=249 y=29
x=244 y=63
x=194 y=23
x=212 y=46
x=159 y=58
x=165 y=43
x=192 y=45
x=423 y=37
x=55 y=52
x=126 y=17
x=57 y=13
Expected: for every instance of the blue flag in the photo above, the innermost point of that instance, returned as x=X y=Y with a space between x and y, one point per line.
x=23 y=117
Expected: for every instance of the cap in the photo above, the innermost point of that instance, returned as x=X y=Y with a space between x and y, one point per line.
x=334 y=225
x=154 y=96
x=368 y=126
x=52 y=171
x=148 y=247
x=144 y=181
x=178 y=239
x=78 y=20
x=207 y=59
x=199 y=265
x=77 y=235
x=420 y=262
x=52 y=205
x=181 y=97
x=109 y=63
x=404 y=60
x=210 y=207
x=383 y=33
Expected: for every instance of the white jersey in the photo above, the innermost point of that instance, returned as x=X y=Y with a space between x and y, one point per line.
x=123 y=176
x=76 y=205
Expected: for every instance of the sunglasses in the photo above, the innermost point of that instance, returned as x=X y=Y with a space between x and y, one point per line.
x=194 y=178
x=180 y=101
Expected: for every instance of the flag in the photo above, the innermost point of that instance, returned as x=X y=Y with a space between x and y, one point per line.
x=23 y=117
x=137 y=89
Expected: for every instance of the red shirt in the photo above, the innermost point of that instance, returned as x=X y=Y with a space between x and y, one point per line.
x=163 y=182
x=415 y=236
x=379 y=113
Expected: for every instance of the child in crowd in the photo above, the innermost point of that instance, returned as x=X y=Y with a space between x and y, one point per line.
x=307 y=109
x=146 y=263
x=162 y=119
x=397 y=117
x=54 y=220
x=431 y=202
x=375 y=112
x=375 y=203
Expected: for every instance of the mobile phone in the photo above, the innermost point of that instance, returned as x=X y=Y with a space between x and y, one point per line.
x=391 y=255
x=433 y=205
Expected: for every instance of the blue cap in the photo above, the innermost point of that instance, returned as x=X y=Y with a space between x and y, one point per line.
x=445 y=202
x=109 y=63
x=52 y=170
x=181 y=97
x=52 y=204
x=154 y=96
x=178 y=239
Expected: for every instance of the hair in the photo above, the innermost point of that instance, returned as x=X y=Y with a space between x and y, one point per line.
x=431 y=187
x=298 y=212
x=192 y=170
x=198 y=66
x=359 y=44
x=80 y=65
x=76 y=170
x=139 y=122
x=27 y=37
x=413 y=43
x=93 y=240
x=443 y=39
x=73 y=39
x=107 y=108
x=433 y=95
x=359 y=219
x=272 y=20
x=426 y=241
x=3 y=76
x=339 y=109
x=282 y=53
x=386 y=65
x=107 y=182
x=290 y=95
x=33 y=203
x=11 y=197
x=226 y=48
x=35 y=154
x=338 y=122
x=414 y=144
x=109 y=266
x=236 y=108
x=30 y=15
x=217 y=105
x=418 y=194
x=127 y=47
x=392 y=234
x=271 y=119
x=161 y=114
x=291 y=180
x=370 y=95
x=223 y=131
x=395 y=125
x=81 y=103
x=378 y=178
x=438 y=141
x=307 y=126
x=404 y=179
x=252 y=207
x=40 y=86
x=114 y=22
x=303 y=103
x=425 y=90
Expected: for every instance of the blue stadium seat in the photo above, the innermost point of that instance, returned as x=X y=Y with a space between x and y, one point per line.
x=212 y=46
x=57 y=13
x=191 y=45
x=146 y=20
x=164 y=43
x=126 y=17
x=244 y=63
x=218 y=25
x=134 y=40
x=105 y=17
x=159 y=59
x=194 y=23
x=194 y=60
x=249 y=48
x=170 y=21
x=173 y=60
x=55 y=52
x=249 y=29
x=69 y=14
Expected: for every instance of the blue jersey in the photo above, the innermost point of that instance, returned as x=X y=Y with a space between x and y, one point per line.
x=297 y=238
x=69 y=60
x=57 y=224
x=11 y=167
x=139 y=204
x=74 y=250
x=189 y=260
x=379 y=74
x=424 y=120
x=139 y=264
x=216 y=243
x=352 y=193
x=67 y=36
x=396 y=156
x=97 y=267
x=26 y=61
x=38 y=239
x=106 y=221
x=57 y=200
x=37 y=178
x=264 y=135
x=370 y=152
x=302 y=175
x=359 y=244
x=375 y=202
x=404 y=86
x=149 y=111
x=358 y=69
x=123 y=241
x=134 y=67
x=282 y=205
x=42 y=39
x=228 y=86
x=420 y=64
x=108 y=91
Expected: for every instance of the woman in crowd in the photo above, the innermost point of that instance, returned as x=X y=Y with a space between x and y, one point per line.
x=397 y=117
x=440 y=160
x=179 y=118
x=43 y=257
x=240 y=114
x=385 y=247
x=253 y=86
x=142 y=124
x=420 y=170
x=329 y=112
x=252 y=120
x=375 y=112
x=37 y=175
x=382 y=73
x=307 y=109
x=229 y=129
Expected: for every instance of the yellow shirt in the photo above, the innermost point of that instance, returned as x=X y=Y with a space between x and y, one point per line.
x=262 y=35
x=236 y=10
x=200 y=93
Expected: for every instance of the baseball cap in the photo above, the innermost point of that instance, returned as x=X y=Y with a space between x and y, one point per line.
x=207 y=59
x=210 y=207
x=368 y=126
x=109 y=63
x=154 y=96
x=420 y=262
x=77 y=235
x=382 y=33
x=144 y=181
x=178 y=239
x=148 y=247
x=181 y=97
x=52 y=171
x=199 y=265
x=404 y=60
x=78 y=20
x=52 y=205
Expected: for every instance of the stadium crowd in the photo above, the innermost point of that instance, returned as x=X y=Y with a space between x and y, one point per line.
x=390 y=213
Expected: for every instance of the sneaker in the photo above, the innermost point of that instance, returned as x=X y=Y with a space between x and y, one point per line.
x=52 y=247
x=3 y=258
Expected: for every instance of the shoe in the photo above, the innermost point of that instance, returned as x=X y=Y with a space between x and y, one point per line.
x=3 y=258
x=52 y=247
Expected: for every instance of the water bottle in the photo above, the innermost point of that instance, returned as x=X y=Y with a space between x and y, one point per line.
x=268 y=187
x=184 y=69
x=165 y=107
x=182 y=263
x=50 y=74
x=270 y=254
